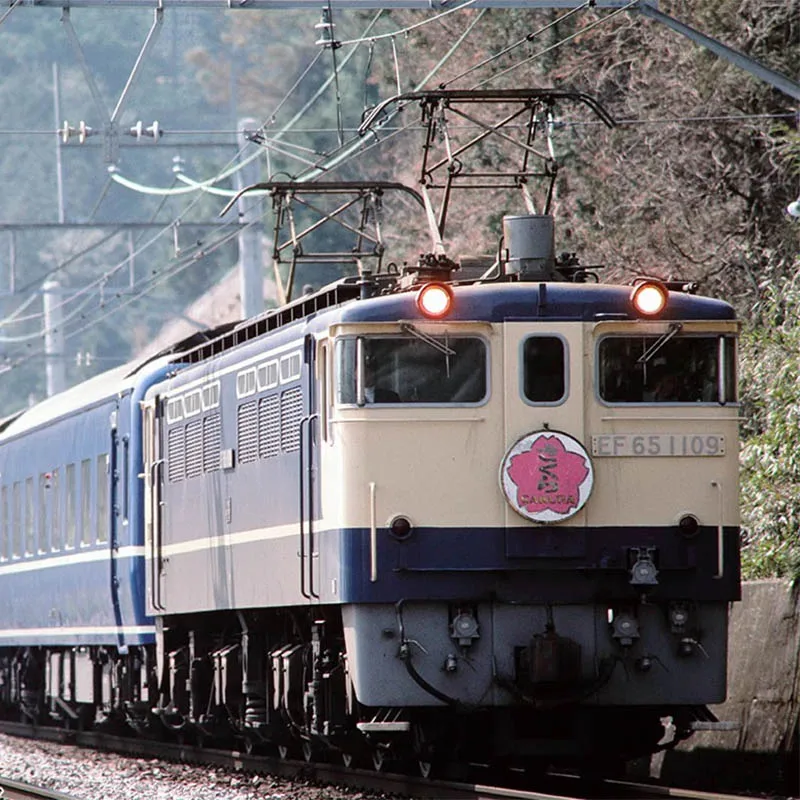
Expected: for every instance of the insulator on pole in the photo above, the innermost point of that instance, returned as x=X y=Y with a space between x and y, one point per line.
x=65 y=132
x=84 y=132
x=326 y=28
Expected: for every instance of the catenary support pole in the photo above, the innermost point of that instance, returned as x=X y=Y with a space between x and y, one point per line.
x=250 y=208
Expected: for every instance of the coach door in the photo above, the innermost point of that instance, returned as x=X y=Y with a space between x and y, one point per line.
x=544 y=426
x=153 y=467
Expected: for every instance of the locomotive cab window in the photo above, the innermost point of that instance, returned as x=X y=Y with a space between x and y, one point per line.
x=412 y=369
x=544 y=369
x=667 y=369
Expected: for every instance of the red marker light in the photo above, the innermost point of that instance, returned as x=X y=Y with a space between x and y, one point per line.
x=649 y=298
x=435 y=300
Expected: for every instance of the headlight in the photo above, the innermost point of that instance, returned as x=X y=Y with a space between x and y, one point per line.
x=435 y=300
x=649 y=298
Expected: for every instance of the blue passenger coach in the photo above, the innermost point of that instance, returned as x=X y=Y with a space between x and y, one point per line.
x=71 y=535
x=75 y=640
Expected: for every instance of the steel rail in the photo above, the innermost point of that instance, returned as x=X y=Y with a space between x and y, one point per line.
x=17 y=790
x=547 y=787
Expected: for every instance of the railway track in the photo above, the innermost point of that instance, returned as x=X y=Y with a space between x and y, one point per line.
x=14 y=790
x=548 y=787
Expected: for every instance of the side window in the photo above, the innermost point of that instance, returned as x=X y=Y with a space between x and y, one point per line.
x=86 y=502
x=125 y=478
x=16 y=524
x=44 y=488
x=55 y=511
x=71 y=502
x=4 y=529
x=102 y=498
x=30 y=529
x=544 y=369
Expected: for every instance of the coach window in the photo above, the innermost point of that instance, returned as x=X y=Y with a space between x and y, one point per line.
x=16 y=524
x=30 y=529
x=125 y=477
x=86 y=502
x=4 y=529
x=102 y=498
x=55 y=511
x=413 y=369
x=544 y=369
x=70 y=500
x=667 y=369
x=44 y=485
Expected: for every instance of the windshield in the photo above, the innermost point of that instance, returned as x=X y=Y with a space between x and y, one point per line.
x=682 y=369
x=417 y=368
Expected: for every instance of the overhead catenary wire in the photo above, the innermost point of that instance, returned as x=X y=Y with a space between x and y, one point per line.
x=405 y=31
x=186 y=261
x=556 y=45
x=103 y=279
x=204 y=185
x=357 y=145
x=10 y=9
x=349 y=150
x=631 y=121
x=35 y=284
x=14 y=318
x=233 y=166
x=525 y=40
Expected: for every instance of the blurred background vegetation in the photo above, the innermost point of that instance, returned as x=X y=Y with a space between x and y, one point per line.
x=692 y=183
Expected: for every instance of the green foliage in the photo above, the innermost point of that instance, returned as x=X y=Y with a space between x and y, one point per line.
x=770 y=457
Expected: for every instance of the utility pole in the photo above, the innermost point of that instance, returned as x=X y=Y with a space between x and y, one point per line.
x=53 y=338
x=59 y=169
x=251 y=255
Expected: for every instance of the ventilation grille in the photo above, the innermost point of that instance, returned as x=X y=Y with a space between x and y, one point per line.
x=248 y=433
x=212 y=442
x=176 y=454
x=194 y=449
x=291 y=414
x=269 y=426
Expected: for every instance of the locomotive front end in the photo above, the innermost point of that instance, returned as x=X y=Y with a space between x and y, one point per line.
x=540 y=490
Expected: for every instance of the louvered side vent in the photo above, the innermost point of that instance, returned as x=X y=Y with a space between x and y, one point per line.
x=291 y=414
x=176 y=454
x=194 y=449
x=212 y=442
x=269 y=426
x=247 y=432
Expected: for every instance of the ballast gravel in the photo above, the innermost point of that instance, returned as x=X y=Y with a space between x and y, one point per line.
x=92 y=775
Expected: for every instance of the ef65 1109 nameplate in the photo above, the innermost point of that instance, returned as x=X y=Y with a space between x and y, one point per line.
x=657 y=444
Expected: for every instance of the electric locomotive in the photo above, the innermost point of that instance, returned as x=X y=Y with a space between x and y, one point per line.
x=418 y=515
x=417 y=519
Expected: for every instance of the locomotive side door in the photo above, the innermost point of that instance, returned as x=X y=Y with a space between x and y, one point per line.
x=308 y=468
x=544 y=374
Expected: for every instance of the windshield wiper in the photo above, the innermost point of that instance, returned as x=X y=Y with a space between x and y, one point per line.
x=674 y=329
x=406 y=327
